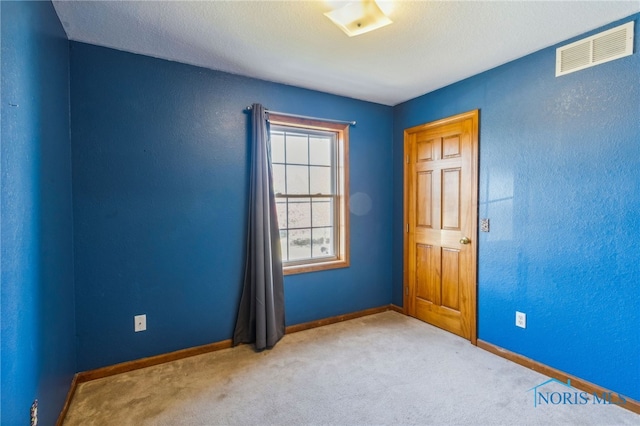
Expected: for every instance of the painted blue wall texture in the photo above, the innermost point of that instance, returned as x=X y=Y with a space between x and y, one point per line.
x=560 y=182
x=160 y=179
x=38 y=336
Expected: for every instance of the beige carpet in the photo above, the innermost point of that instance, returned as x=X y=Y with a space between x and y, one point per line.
x=382 y=369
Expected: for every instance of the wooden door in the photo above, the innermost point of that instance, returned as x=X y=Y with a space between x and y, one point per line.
x=441 y=186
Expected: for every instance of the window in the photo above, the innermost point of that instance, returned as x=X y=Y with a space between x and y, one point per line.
x=310 y=174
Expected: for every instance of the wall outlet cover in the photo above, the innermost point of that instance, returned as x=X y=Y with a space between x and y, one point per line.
x=521 y=319
x=140 y=323
x=34 y=413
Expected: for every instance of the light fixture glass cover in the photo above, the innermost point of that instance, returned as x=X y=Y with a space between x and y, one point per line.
x=359 y=17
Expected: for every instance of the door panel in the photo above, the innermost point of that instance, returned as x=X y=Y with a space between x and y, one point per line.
x=425 y=150
x=425 y=199
x=440 y=210
x=450 y=199
x=425 y=286
x=451 y=278
x=451 y=146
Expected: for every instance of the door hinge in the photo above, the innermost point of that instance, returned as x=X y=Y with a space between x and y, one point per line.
x=407 y=228
x=406 y=291
x=407 y=159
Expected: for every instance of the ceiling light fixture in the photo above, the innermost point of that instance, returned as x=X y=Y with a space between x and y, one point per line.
x=359 y=17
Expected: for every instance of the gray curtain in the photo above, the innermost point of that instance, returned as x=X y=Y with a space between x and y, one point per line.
x=261 y=312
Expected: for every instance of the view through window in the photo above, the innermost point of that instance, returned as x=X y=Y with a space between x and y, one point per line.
x=309 y=183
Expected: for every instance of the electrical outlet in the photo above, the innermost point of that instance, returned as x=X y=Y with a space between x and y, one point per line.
x=521 y=319
x=34 y=413
x=140 y=323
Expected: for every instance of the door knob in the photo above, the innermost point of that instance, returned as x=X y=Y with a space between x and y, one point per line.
x=465 y=240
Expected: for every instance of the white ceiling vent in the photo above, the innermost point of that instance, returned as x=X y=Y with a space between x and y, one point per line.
x=595 y=50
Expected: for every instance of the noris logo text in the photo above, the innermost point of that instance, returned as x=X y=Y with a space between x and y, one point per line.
x=565 y=394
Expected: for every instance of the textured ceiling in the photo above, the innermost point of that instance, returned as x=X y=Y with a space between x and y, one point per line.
x=430 y=44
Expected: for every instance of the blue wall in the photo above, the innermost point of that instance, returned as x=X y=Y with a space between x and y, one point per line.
x=160 y=178
x=38 y=342
x=560 y=181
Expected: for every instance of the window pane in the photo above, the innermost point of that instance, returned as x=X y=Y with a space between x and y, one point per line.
x=277 y=147
x=299 y=213
x=322 y=213
x=320 y=151
x=278 y=179
x=281 y=207
x=297 y=149
x=320 y=180
x=297 y=179
x=300 y=244
x=283 y=244
x=307 y=175
x=322 y=242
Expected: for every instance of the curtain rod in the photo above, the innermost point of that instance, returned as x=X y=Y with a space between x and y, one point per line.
x=306 y=117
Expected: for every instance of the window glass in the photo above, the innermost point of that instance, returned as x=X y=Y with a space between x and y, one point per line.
x=309 y=179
